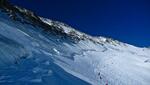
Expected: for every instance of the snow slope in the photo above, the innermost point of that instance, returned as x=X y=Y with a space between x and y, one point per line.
x=39 y=51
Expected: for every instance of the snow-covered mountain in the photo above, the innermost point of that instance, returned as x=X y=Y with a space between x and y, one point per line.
x=39 y=51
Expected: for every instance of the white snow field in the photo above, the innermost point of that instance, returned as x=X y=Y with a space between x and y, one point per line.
x=39 y=51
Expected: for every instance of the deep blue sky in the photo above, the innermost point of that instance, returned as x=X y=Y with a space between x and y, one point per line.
x=125 y=20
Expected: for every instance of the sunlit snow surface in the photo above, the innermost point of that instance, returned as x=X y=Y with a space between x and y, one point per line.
x=29 y=56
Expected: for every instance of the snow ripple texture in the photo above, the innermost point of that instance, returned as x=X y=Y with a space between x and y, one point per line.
x=31 y=56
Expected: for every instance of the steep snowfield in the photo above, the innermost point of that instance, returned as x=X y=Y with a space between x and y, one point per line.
x=31 y=55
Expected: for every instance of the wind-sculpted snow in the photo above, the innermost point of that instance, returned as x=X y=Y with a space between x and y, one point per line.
x=10 y=51
x=30 y=54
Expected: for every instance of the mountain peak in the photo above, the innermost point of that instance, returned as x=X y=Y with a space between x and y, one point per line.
x=25 y=16
x=28 y=17
x=40 y=51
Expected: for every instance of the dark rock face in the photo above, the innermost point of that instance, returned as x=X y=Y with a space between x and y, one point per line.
x=2 y=3
x=5 y=4
x=25 y=16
